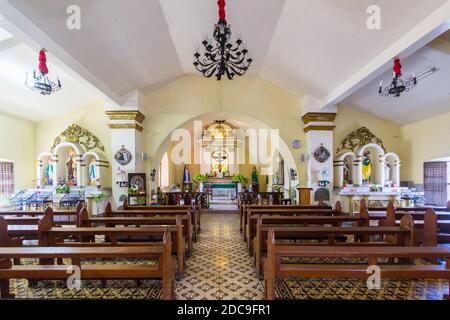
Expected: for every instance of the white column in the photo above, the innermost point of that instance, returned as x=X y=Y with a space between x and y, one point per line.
x=126 y=127
x=357 y=168
x=319 y=128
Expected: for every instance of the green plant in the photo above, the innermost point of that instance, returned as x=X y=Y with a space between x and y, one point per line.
x=200 y=178
x=133 y=191
x=63 y=189
x=278 y=188
x=239 y=178
x=99 y=197
x=141 y=201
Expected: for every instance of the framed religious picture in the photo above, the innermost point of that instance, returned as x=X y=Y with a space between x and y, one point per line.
x=322 y=154
x=137 y=181
x=123 y=156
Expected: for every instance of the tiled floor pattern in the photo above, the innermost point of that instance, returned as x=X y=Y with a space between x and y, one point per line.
x=220 y=268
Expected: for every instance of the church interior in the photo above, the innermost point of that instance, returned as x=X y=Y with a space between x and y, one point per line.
x=218 y=150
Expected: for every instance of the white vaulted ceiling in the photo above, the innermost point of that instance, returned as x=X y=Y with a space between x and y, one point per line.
x=304 y=46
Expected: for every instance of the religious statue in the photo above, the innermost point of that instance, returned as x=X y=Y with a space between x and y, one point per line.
x=186 y=174
x=367 y=168
x=92 y=174
x=387 y=172
x=71 y=166
x=48 y=179
x=347 y=178
x=254 y=176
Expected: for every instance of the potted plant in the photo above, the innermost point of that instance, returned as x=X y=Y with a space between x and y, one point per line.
x=200 y=179
x=98 y=199
x=240 y=180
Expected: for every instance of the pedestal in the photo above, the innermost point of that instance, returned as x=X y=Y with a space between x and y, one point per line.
x=304 y=196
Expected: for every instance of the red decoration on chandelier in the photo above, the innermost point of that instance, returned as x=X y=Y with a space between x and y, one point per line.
x=43 y=62
x=397 y=67
x=221 y=4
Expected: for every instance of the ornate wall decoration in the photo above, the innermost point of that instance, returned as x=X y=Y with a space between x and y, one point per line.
x=322 y=154
x=358 y=138
x=76 y=134
x=123 y=156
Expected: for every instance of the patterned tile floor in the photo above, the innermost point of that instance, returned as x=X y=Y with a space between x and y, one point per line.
x=220 y=268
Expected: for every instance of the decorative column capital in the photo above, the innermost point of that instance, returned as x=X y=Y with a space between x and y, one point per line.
x=318 y=121
x=125 y=119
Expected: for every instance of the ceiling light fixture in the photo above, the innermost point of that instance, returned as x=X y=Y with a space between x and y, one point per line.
x=399 y=86
x=222 y=58
x=41 y=82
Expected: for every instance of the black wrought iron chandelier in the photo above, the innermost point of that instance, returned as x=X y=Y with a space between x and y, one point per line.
x=398 y=85
x=222 y=57
x=41 y=82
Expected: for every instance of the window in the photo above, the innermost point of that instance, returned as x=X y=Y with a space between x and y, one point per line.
x=6 y=178
x=164 y=172
x=435 y=183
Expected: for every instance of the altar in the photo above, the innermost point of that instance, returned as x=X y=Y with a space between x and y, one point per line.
x=222 y=188
x=374 y=196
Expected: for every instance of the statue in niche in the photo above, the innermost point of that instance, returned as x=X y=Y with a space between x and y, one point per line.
x=92 y=174
x=347 y=173
x=71 y=168
x=367 y=168
x=49 y=169
x=387 y=172
x=254 y=176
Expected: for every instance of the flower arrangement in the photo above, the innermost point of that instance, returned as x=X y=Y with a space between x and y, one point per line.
x=133 y=190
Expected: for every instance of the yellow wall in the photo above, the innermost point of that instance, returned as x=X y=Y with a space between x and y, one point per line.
x=424 y=141
x=189 y=97
x=91 y=117
x=17 y=144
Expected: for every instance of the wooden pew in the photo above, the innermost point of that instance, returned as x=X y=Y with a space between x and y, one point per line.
x=196 y=210
x=333 y=235
x=164 y=270
x=54 y=236
x=283 y=210
x=148 y=210
x=427 y=226
x=61 y=217
x=248 y=203
x=166 y=211
x=411 y=209
x=275 y=269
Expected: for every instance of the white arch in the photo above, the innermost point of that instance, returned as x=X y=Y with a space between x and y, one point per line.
x=342 y=156
x=78 y=150
x=392 y=155
x=338 y=165
x=243 y=120
x=91 y=153
x=43 y=155
x=360 y=151
x=394 y=162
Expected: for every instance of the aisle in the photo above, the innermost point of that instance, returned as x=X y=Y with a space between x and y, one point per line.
x=220 y=267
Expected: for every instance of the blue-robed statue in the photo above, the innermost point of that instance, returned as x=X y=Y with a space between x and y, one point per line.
x=186 y=174
x=49 y=174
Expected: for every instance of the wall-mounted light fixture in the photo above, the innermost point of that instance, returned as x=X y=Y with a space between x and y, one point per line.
x=153 y=174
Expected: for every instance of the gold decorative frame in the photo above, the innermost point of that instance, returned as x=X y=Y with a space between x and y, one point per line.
x=358 y=138
x=76 y=134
